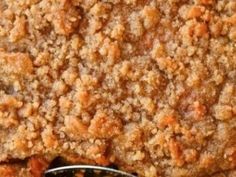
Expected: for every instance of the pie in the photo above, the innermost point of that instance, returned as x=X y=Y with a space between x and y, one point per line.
x=146 y=85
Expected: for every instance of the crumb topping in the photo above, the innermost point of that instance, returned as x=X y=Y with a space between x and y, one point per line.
x=147 y=85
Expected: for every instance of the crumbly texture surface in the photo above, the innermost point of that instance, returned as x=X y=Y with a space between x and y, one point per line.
x=148 y=85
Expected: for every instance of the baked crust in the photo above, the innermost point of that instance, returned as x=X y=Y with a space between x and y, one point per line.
x=148 y=85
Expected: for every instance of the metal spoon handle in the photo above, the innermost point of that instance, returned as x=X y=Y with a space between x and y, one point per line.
x=107 y=170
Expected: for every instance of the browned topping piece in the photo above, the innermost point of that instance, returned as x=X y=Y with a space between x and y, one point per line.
x=7 y=171
x=223 y=112
x=37 y=166
x=190 y=155
x=216 y=29
x=201 y=30
x=8 y=101
x=104 y=126
x=19 y=30
x=65 y=19
x=15 y=63
x=195 y=11
x=232 y=34
x=75 y=128
x=151 y=16
x=167 y=121
x=206 y=161
x=176 y=152
x=49 y=138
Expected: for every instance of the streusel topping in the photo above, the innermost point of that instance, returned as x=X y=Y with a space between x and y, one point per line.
x=148 y=85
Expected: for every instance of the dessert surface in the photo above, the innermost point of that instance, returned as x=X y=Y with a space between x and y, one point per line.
x=147 y=85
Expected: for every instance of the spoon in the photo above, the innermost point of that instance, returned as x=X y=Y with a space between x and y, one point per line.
x=88 y=170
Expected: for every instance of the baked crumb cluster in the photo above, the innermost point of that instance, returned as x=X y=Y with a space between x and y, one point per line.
x=148 y=85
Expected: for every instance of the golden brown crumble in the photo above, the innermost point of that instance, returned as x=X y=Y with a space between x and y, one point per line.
x=148 y=85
